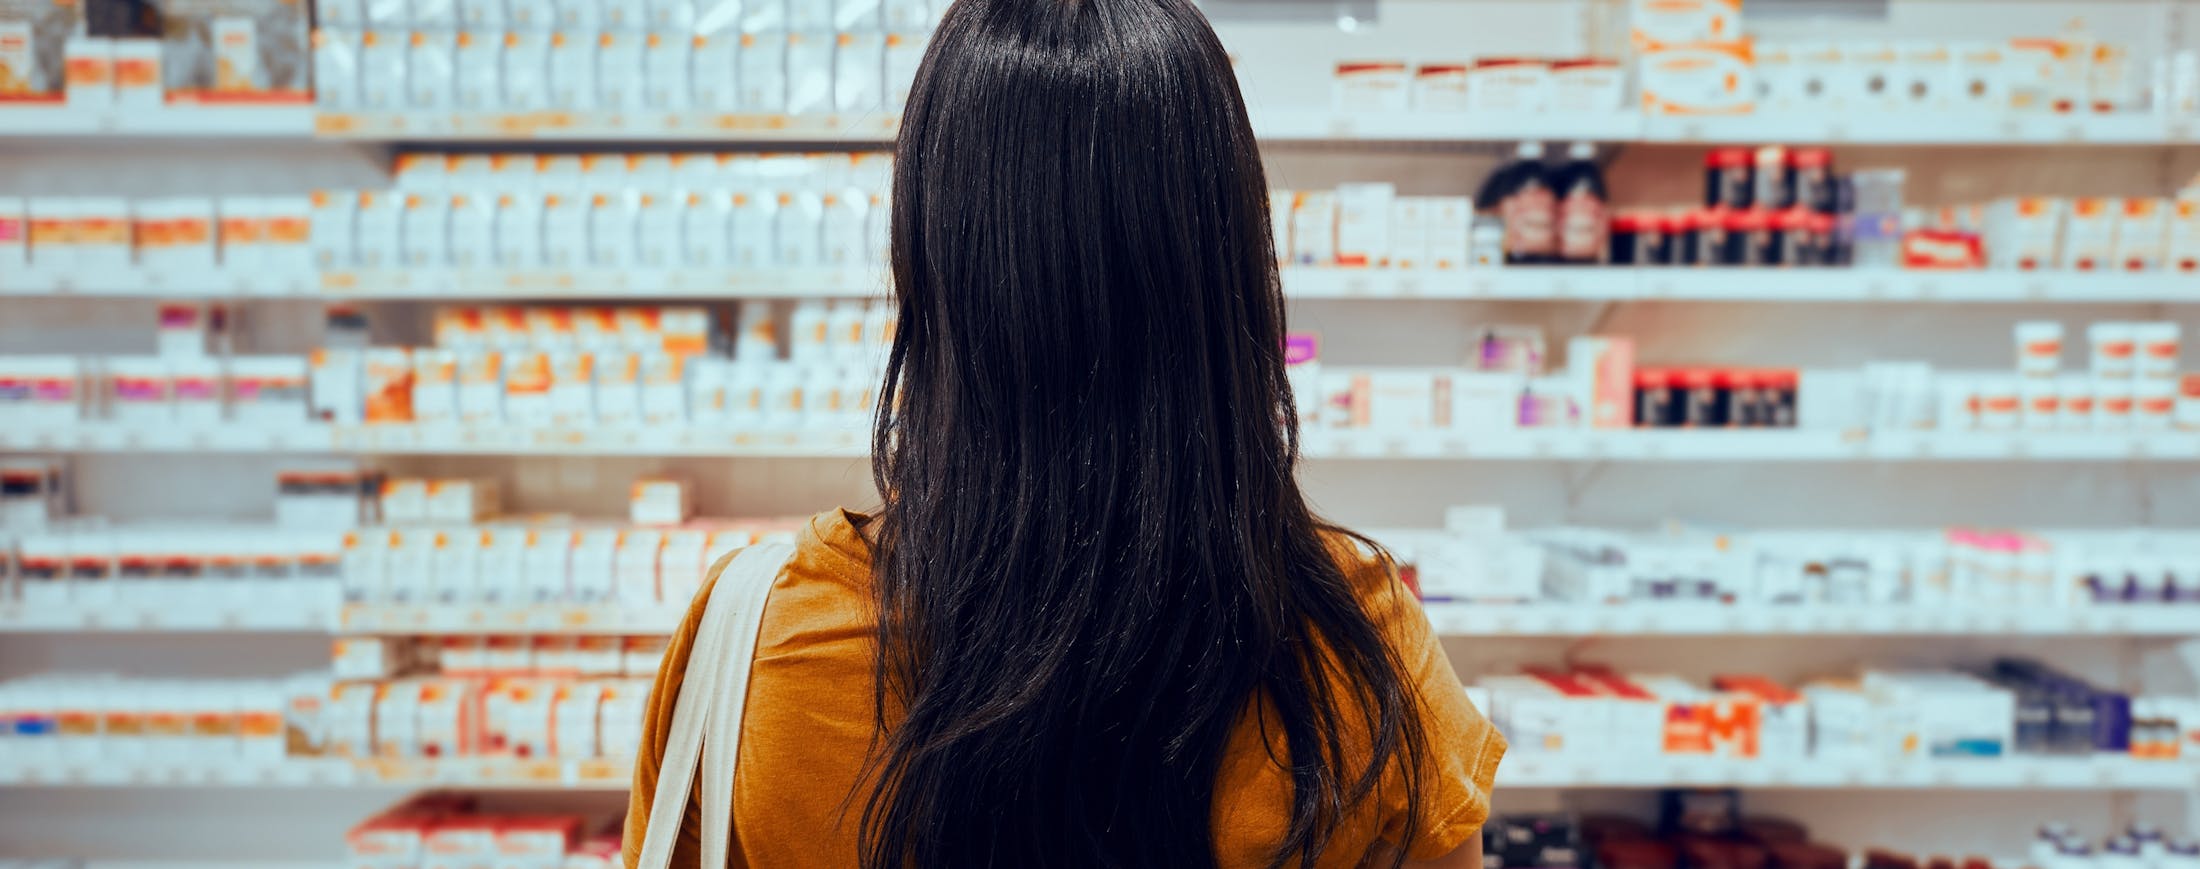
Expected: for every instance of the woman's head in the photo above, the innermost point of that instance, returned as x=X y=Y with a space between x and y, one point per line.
x=1093 y=552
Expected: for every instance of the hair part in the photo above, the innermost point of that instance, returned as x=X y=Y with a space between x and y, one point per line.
x=1094 y=560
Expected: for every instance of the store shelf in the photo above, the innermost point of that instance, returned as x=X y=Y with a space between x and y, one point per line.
x=1762 y=445
x=1528 y=770
x=574 y=619
x=1352 y=126
x=436 y=440
x=795 y=283
x=1680 y=620
x=873 y=129
x=306 y=610
x=1921 y=128
x=1520 y=770
x=190 y=121
x=1738 y=285
x=1766 y=445
x=1523 y=284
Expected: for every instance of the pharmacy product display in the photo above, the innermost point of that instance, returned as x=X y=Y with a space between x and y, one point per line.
x=611 y=211
x=445 y=829
x=122 y=721
x=1876 y=720
x=538 y=56
x=1707 y=828
x=1951 y=569
x=2131 y=382
x=110 y=54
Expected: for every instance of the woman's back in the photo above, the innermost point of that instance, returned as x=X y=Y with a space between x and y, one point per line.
x=809 y=727
x=1093 y=558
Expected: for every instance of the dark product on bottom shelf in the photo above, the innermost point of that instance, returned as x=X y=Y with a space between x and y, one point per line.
x=1544 y=841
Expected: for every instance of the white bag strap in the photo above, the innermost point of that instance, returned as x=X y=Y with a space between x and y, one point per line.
x=706 y=719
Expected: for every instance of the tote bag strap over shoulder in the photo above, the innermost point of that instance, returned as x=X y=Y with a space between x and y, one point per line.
x=706 y=719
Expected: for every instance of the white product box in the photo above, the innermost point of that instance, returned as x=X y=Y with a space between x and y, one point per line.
x=800 y=229
x=1409 y=232
x=377 y=235
x=1925 y=76
x=594 y=565
x=620 y=73
x=1872 y=78
x=1981 y=77
x=1363 y=224
x=2142 y=234
x=1371 y=86
x=1449 y=219
x=89 y=71
x=430 y=70
x=477 y=82
x=571 y=80
x=635 y=580
x=1314 y=228
x=1654 y=23
x=176 y=236
x=2048 y=75
x=763 y=59
x=1710 y=79
x=2089 y=236
x=859 y=73
x=666 y=72
x=1507 y=84
x=1437 y=87
x=546 y=564
x=809 y=71
x=1588 y=85
x=426 y=229
x=2025 y=232
x=574 y=716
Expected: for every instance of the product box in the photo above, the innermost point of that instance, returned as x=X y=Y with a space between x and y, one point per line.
x=1587 y=85
x=2089 y=236
x=1704 y=79
x=1603 y=369
x=1654 y=24
x=1981 y=77
x=1703 y=722
x=1449 y=219
x=661 y=501
x=1409 y=232
x=2183 y=236
x=1871 y=76
x=2025 y=232
x=1371 y=86
x=1535 y=717
x=2142 y=234
x=2048 y=75
x=1314 y=228
x=1509 y=84
x=1363 y=224
x=1437 y=87
x=1784 y=717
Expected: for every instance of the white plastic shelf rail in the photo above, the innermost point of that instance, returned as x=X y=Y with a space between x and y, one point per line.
x=1449 y=619
x=1278 y=125
x=1521 y=770
x=1760 y=445
x=1520 y=284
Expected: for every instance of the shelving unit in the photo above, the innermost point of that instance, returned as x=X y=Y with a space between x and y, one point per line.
x=1613 y=284
x=1519 y=771
x=1496 y=445
x=1732 y=316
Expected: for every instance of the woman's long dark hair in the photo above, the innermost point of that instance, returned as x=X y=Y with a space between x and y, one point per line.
x=1094 y=560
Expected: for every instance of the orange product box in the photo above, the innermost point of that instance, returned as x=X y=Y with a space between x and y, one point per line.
x=1701 y=79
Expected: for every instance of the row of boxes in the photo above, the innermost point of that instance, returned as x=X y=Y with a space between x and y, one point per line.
x=1954 y=568
x=177 y=566
x=446 y=717
x=693 y=16
x=241 y=51
x=176 y=234
x=522 y=564
x=498 y=657
x=88 y=718
x=1370 y=225
x=777 y=73
x=1491 y=84
x=450 y=831
x=2087 y=233
x=1594 y=713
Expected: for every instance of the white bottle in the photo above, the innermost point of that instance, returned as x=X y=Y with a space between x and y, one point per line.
x=808 y=331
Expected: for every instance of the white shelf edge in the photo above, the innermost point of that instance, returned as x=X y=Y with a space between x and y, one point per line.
x=1491 y=445
x=1520 y=770
x=877 y=129
x=1448 y=618
x=1799 y=285
x=1701 y=620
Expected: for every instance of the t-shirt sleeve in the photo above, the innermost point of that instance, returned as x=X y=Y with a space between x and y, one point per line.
x=1463 y=747
x=656 y=727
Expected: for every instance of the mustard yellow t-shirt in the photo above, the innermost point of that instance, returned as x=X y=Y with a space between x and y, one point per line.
x=809 y=724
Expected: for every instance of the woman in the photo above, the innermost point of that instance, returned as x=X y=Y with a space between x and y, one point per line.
x=1095 y=622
